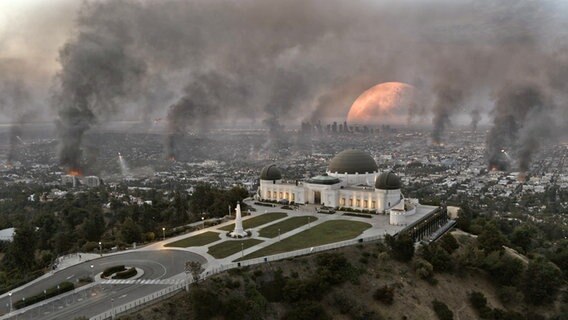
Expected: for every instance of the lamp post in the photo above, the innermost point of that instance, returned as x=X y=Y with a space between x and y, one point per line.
x=164 y=233
x=242 y=250
x=92 y=274
x=10 y=295
x=203 y=222
x=101 y=248
x=112 y=307
x=278 y=234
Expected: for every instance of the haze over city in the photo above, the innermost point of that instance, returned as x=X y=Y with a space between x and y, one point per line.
x=206 y=136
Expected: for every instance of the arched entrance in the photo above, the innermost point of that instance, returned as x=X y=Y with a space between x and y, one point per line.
x=317 y=197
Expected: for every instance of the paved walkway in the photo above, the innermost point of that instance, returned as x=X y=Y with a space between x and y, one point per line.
x=379 y=227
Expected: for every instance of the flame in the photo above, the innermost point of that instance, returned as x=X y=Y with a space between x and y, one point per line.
x=172 y=158
x=74 y=172
x=522 y=177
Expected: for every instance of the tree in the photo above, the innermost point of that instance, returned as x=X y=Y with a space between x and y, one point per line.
x=401 y=247
x=195 y=269
x=522 y=237
x=21 y=252
x=94 y=226
x=130 y=231
x=491 y=239
x=449 y=243
x=541 y=281
x=503 y=268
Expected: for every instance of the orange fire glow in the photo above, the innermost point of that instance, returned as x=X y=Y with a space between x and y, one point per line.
x=379 y=104
x=74 y=172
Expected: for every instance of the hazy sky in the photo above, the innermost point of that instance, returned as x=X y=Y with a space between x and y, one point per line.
x=33 y=31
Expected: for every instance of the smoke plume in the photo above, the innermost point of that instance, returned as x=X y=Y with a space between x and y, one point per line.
x=448 y=98
x=17 y=101
x=281 y=62
x=514 y=102
x=98 y=68
x=475 y=118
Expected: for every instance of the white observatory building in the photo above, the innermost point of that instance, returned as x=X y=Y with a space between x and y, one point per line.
x=352 y=181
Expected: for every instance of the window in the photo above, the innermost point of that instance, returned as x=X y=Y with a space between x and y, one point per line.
x=350 y=202
x=280 y=195
x=358 y=202
x=287 y=195
x=373 y=204
x=293 y=197
x=342 y=202
x=268 y=194
x=365 y=204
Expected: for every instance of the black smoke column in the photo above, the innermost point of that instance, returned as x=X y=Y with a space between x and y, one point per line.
x=97 y=69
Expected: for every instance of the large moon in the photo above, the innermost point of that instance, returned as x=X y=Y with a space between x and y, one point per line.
x=384 y=103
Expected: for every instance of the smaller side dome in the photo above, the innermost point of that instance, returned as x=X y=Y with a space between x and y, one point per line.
x=388 y=181
x=270 y=172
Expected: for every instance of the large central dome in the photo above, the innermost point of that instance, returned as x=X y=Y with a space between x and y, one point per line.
x=353 y=161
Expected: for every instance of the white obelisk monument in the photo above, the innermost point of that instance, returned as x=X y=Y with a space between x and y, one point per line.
x=239 y=231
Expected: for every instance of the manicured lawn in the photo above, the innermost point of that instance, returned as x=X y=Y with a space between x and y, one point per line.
x=289 y=224
x=327 y=232
x=257 y=221
x=195 y=241
x=229 y=247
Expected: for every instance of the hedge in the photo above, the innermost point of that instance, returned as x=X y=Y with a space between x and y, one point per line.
x=51 y=292
x=129 y=273
x=111 y=270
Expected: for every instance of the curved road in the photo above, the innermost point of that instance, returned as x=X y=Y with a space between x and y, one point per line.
x=159 y=264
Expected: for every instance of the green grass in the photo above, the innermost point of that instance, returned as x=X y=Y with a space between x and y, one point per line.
x=257 y=221
x=289 y=224
x=195 y=241
x=229 y=247
x=327 y=232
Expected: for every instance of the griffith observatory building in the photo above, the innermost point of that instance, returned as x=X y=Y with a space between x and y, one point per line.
x=352 y=181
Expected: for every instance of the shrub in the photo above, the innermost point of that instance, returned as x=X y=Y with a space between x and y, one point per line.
x=205 y=304
x=307 y=310
x=509 y=295
x=114 y=269
x=442 y=310
x=342 y=303
x=479 y=303
x=232 y=284
x=129 y=273
x=364 y=260
x=333 y=268
x=449 y=243
x=384 y=294
x=51 y=292
x=302 y=290
x=423 y=269
x=273 y=290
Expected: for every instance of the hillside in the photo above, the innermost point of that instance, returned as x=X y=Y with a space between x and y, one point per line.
x=348 y=283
